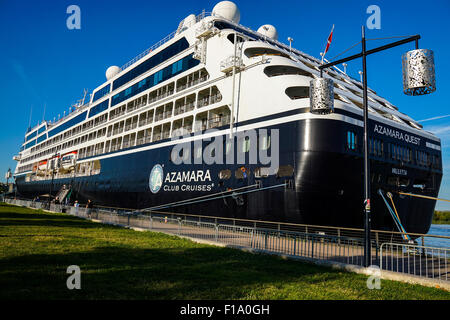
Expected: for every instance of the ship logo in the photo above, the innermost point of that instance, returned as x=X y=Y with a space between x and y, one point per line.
x=156 y=178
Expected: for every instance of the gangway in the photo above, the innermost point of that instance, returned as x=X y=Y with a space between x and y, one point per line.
x=63 y=193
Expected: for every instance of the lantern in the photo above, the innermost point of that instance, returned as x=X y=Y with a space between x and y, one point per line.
x=418 y=72
x=321 y=93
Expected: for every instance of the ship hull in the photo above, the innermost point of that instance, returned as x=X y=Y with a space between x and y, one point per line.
x=325 y=187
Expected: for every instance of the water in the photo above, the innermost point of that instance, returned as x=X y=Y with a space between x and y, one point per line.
x=440 y=230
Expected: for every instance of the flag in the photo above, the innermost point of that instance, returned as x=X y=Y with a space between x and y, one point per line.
x=330 y=37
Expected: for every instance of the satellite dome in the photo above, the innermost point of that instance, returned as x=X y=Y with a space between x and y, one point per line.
x=227 y=10
x=112 y=71
x=189 y=21
x=269 y=31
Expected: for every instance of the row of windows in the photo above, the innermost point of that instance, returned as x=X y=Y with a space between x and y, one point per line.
x=31 y=136
x=41 y=138
x=394 y=151
x=34 y=133
x=68 y=124
x=101 y=93
x=98 y=108
x=157 y=59
x=183 y=83
x=156 y=78
x=207 y=96
x=145 y=136
x=205 y=120
x=152 y=62
x=82 y=127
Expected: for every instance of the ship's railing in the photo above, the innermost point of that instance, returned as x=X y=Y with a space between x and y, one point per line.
x=343 y=245
x=76 y=111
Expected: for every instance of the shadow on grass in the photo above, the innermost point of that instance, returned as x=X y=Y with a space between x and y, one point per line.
x=42 y=218
x=127 y=273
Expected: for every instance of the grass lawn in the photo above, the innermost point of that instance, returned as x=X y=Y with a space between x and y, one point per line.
x=117 y=263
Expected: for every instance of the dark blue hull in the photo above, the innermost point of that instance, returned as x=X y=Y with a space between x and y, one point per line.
x=325 y=187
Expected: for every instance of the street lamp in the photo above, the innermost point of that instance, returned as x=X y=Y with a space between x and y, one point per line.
x=53 y=166
x=7 y=176
x=418 y=79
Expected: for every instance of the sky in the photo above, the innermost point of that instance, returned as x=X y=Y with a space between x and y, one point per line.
x=46 y=66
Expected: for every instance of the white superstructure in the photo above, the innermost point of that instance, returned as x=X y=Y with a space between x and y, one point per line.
x=269 y=78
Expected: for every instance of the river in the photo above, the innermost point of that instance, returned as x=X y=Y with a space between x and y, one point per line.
x=440 y=230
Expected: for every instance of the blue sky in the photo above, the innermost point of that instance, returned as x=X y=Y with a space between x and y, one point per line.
x=44 y=63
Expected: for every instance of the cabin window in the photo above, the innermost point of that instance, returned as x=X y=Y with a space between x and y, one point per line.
x=297 y=92
x=230 y=37
x=273 y=71
x=255 y=52
x=351 y=141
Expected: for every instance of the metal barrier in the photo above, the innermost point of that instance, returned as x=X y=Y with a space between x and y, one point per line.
x=310 y=245
x=416 y=260
x=342 y=245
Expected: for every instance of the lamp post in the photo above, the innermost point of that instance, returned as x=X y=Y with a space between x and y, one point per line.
x=418 y=79
x=7 y=176
x=53 y=166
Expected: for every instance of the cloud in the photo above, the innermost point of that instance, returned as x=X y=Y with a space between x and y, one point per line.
x=28 y=85
x=434 y=118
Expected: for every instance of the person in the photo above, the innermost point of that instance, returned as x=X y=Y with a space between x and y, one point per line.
x=76 y=205
x=89 y=207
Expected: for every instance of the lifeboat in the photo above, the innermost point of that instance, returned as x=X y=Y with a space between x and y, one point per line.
x=68 y=161
x=42 y=166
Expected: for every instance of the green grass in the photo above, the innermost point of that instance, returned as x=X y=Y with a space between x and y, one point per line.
x=36 y=248
x=441 y=217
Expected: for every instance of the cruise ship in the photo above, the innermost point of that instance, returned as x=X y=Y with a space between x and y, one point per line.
x=214 y=78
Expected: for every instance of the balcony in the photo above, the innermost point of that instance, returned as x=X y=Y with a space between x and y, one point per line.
x=209 y=100
x=219 y=121
x=192 y=83
x=146 y=121
x=159 y=116
x=184 y=108
x=166 y=135
x=167 y=114
x=161 y=96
